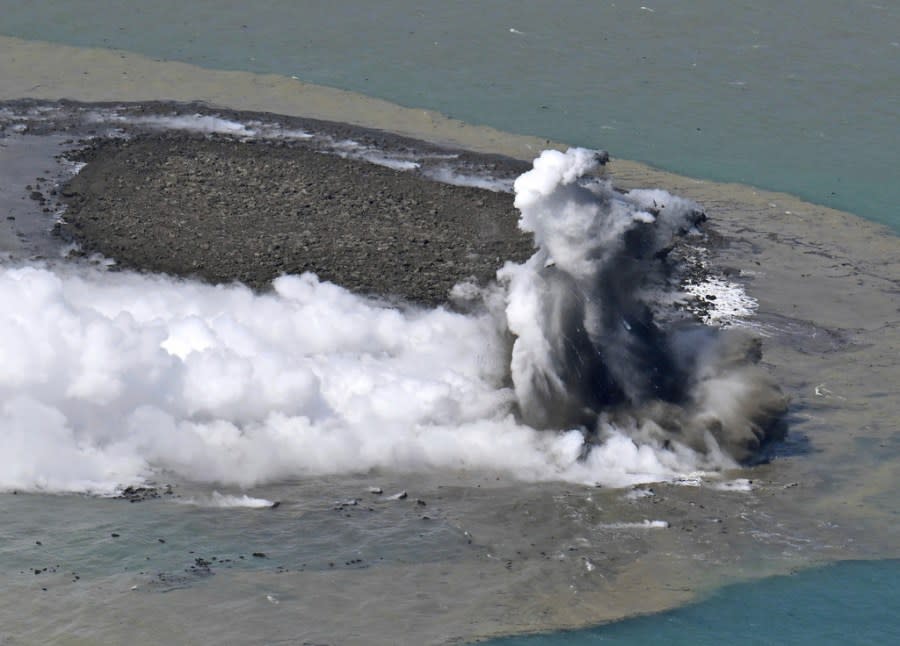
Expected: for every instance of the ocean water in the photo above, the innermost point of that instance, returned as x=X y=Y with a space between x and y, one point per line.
x=802 y=99
x=853 y=602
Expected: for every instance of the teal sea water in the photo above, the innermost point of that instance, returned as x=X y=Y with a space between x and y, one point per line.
x=802 y=97
x=854 y=602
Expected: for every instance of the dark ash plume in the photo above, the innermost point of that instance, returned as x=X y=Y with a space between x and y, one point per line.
x=588 y=350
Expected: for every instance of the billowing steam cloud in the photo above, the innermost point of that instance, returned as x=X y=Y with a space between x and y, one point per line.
x=588 y=351
x=108 y=379
x=111 y=378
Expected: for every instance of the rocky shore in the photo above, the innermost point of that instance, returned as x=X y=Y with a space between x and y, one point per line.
x=231 y=196
x=224 y=209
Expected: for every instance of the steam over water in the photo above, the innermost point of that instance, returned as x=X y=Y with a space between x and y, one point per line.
x=588 y=349
x=110 y=379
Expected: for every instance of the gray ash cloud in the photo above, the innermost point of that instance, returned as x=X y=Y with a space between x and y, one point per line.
x=589 y=350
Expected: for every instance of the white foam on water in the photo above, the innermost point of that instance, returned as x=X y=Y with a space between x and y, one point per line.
x=198 y=123
x=387 y=161
x=726 y=302
x=447 y=175
x=639 y=492
x=737 y=484
x=285 y=133
x=348 y=148
x=645 y=524
x=193 y=123
x=228 y=501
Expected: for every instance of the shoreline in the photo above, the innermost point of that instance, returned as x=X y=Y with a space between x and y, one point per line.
x=173 y=198
x=824 y=281
x=250 y=212
x=48 y=71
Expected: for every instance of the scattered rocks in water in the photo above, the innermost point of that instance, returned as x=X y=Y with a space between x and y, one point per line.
x=201 y=566
x=376 y=490
x=259 y=555
x=344 y=504
x=142 y=494
x=399 y=496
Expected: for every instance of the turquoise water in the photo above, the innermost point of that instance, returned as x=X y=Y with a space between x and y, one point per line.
x=802 y=97
x=854 y=602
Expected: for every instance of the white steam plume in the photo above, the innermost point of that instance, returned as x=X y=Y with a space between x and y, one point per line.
x=107 y=379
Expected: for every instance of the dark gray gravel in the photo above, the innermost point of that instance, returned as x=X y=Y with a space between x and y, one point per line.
x=227 y=210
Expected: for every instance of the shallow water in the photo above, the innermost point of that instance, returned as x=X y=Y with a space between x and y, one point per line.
x=158 y=540
x=854 y=602
x=802 y=98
